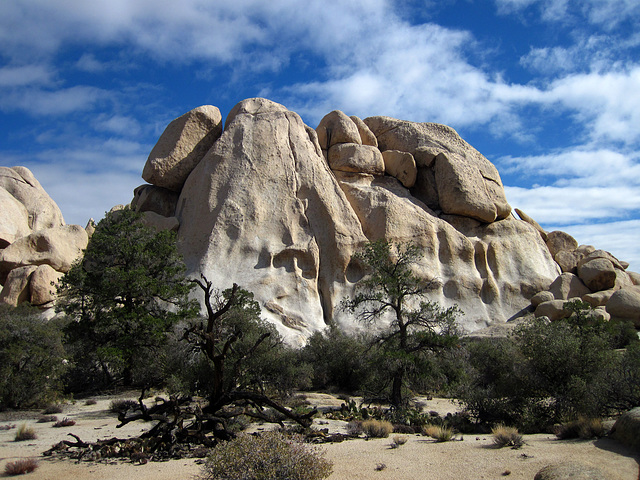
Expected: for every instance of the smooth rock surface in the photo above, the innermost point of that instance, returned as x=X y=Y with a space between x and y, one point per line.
x=400 y=165
x=149 y=198
x=351 y=157
x=42 y=287
x=366 y=135
x=554 y=310
x=559 y=241
x=597 y=273
x=626 y=430
x=569 y=471
x=625 y=303
x=336 y=127
x=181 y=146
x=16 y=286
x=568 y=286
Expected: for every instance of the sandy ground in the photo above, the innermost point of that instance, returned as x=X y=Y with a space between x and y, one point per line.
x=474 y=457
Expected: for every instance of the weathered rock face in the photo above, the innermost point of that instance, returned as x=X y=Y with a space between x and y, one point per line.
x=280 y=209
x=36 y=247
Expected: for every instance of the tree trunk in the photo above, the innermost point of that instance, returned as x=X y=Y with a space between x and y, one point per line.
x=396 y=388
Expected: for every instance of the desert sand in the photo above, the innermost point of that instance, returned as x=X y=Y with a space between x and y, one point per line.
x=471 y=457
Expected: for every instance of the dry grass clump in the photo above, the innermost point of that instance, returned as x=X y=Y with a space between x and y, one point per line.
x=20 y=467
x=506 y=437
x=25 y=432
x=122 y=405
x=354 y=428
x=91 y=401
x=65 y=422
x=47 y=419
x=377 y=428
x=583 y=427
x=398 y=441
x=268 y=456
x=437 y=432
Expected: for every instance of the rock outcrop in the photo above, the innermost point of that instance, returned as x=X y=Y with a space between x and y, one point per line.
x=280 y=208
x=36 y=247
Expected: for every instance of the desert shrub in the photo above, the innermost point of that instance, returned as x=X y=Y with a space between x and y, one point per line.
x=582 y=427
x=31 y=358
x=20 y=467
x=91 y=401
x=120 y=405
x=354 y=428
x=47 y=419
x=268 y=456
x=377 y=428
x=398 y=441
x=506 y=436
x=25 y=432
x=65 y=422
x=438 y=432
x=7 y=427
x=50 y=409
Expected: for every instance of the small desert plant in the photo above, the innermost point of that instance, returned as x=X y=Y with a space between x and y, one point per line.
x=377 y=428
x=65 y=422
x=47 y=419
x=354 y=428
x=267 y=456
x=91 y=401
x=583 y=427
x=437 y=432
x=121 y=405
x=7 y=427
x=19 y=467
x=25 y=432
x=506 y=437
x=52 y=409
x=398 y=441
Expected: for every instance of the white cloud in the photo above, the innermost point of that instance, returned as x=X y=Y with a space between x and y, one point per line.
x=38 y=101
x=18 y=76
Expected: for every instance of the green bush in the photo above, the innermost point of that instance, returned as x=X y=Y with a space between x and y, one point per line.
x=32 y=358
x=268 y=456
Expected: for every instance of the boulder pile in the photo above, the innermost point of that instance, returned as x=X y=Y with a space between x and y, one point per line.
x=36 y=246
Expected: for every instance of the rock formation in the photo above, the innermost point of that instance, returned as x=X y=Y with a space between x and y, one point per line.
x=280 y=208
x=36 y=247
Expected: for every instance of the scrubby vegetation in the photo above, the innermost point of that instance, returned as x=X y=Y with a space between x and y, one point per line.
x=20 y=467
x=267 y=456
x=506 y=437
x=25 y=432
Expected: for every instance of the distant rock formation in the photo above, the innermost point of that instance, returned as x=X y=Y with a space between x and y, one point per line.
x=36 y=247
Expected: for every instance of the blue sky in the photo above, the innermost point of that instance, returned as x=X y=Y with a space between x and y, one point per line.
x=548 y=90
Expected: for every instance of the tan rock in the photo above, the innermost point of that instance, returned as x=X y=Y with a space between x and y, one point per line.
x=90 y=228
x=467 y=183
x=625 y=303
x=569 y=471
x=601 y=254
x=598 y=299
x=351 y=157
x=540 y=297
x=568 y=260
x=336 y=127
x=599 y=314
x=626 y=430
x=568 y=286
x=23 y=186
x=558 y=241
x=366 y=135
x=424 y=156
x=526 y=218
x=149 y=198
x=58 y=247
x=43 y=283
x=554 y=310
x=181 y=146
x=585 y=249
x=14 y=219
x=261 y=209
x=634 y=277
x=15 y=288
x=597 y=274
x=400 y=165
x=622 y=279
x=254 y=106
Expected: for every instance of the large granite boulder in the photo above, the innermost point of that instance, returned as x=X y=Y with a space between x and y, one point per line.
x=466 y=183
x=181 y=146
x=625 y=303
x=626 y=430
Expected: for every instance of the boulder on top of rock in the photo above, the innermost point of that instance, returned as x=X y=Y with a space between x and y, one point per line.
x=58 y=247
x=540 y=297
x=554 y=310
x=42 y=287
x=400 y=165
x=150 y=198
x=16 y=286
x=467 y=183
x=351 y=157
x=558 y=241
x=625 y=303
x=181 y=146
x=336 y=127
x=568 y=286
x=598 y=299
x=526 y=218
x=568 y=260
x=597 y=273
x=366 y=135
x=602 y=254
x=23 y=186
